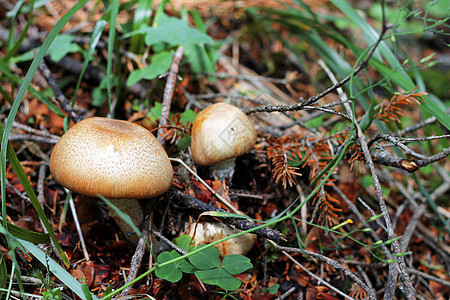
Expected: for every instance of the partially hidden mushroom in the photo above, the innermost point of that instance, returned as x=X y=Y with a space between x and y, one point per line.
x=119 y=160
x=220 y=133
x=208 y=232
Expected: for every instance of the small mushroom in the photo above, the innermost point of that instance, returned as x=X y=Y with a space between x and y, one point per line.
x=119 y=160
x=208 y=232
x=220 y=133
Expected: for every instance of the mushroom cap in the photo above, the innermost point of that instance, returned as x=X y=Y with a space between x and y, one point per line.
x=221 y=131
x=208 y=232
x=113 y=158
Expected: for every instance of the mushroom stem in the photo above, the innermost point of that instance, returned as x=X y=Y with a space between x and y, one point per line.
x=133 y=209
x=223 y=169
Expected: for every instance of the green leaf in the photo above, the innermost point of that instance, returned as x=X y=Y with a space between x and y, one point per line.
x=185 y=242
x=160 y=64
x=57 y=270
x=236 y=264
x=206 y=259
x=62 y=46
x=170 y=272
x=273 y=289
x=174 y=31
x=199 y=58
x=188 y=115
x=219 y=277
x=187 y=267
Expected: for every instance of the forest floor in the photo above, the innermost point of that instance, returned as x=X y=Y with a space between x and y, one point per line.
x=352 y=208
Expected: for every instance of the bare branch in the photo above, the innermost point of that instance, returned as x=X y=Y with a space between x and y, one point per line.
x=64 y=103
x=336 y=85
x=168 y=92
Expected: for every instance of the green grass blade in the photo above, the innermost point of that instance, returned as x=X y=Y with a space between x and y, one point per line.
x=28 y=235
x=22 y=36
x=57 y=270
x=122 y=215
x=14 y=108
x=141 y=18
x=3 y=274
x=20 y=173
x=399 y=75
x=111 y=46
x=96 y=34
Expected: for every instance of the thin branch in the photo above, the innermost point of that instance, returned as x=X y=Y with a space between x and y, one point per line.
x=64 y=103
x=333 y=263
x=429 y=277
x=320 y=280
x=168 y=92
x=411 y=227
x=78 y=227
x=411 y=165
x=33 y=130
x=223 y=75
x=419 y=125
x=137 y=258
x=408 y=289
x=241 y=224
x=329 y=111
x=30 y=137
x=168 y=242
x=222 y=199
x=336 y=85
x=40 y=183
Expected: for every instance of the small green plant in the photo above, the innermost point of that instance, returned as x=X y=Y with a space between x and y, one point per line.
x=165 y=35
x=205 y=265
x=273 y=289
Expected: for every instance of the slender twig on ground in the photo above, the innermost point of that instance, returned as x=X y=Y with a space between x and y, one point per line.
x=331 y=262
x=29 y=137
x=168 y=92
x=64 y=103
x=286 y=294
x=411 y=227
x=395 y=139
x=136 y=259
x=320 y=280
x=223 y=75
x=429 y=277
x=408 y=289
x=34 y=131
x=78 y=227
x=411 y=165
x=240 y=224
x=165 y=110
x=314 y=99
x=223 y=200
x=419 y=125
x=166 y=240
x=40 y=183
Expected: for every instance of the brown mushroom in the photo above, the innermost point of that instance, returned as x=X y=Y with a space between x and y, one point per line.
x=119 y=160
x=208 y=232
x=220 y=133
